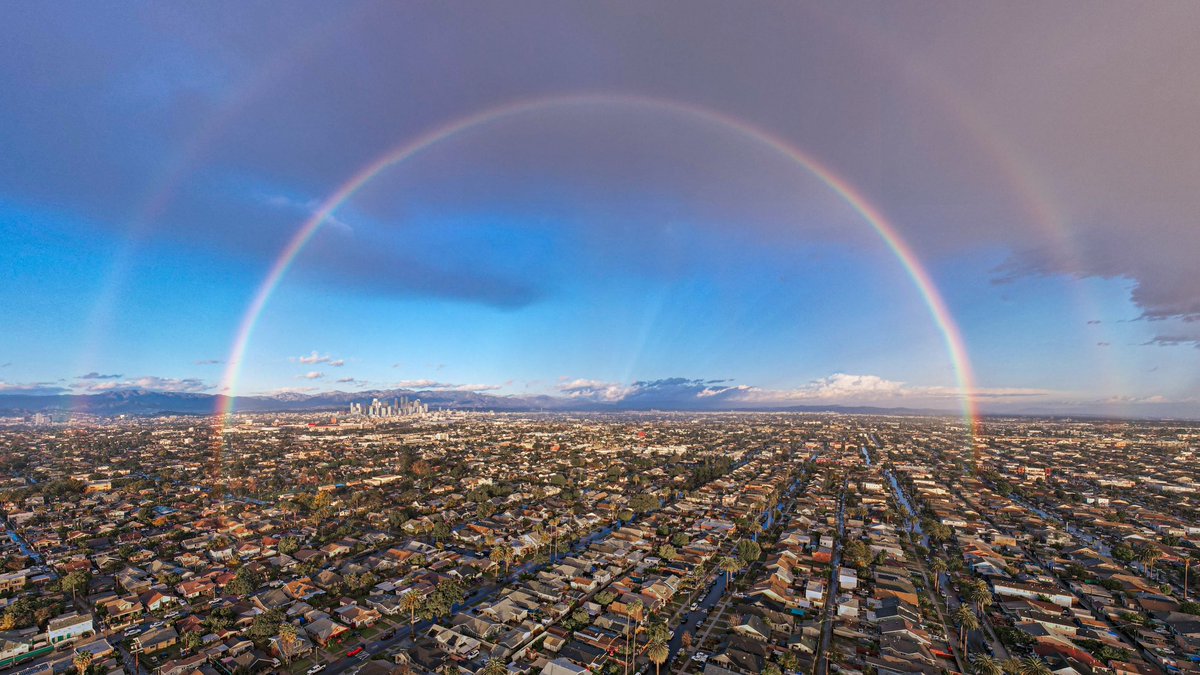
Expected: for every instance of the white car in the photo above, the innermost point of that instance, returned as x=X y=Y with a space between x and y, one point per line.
x=316 y=669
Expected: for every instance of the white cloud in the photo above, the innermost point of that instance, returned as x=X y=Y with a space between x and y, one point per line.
x=312 y=375
x=189 y=385
x=849 y=388
x=835 y=389
x=445 y=386
x=316 y=357
x=595 y=390
x=289 y=390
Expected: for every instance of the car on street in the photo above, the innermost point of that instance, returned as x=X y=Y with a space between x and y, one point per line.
x=355 y=652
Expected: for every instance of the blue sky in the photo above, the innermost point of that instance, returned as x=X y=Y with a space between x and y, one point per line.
x=159 y=158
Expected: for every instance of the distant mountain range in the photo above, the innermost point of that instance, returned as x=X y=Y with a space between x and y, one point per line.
x=142 y=402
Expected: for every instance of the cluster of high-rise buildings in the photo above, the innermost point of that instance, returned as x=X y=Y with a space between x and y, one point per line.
x=399 y=408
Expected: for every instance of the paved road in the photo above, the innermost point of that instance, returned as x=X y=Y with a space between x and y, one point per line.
x=822 y=664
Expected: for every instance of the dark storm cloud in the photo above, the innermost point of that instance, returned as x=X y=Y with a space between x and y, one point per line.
x=978 y=127
x=1172 y=340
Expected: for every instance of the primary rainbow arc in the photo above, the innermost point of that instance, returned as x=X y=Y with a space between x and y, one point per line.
x=931 y=296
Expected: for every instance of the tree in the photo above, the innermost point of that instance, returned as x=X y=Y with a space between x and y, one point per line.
x=667 y=552
x=643 y=502
x=502 y=554
x=634 y=610
x=940 y=533
x=604 y=598
x=1011 y=666
x=966 y=621
x=495 y=667
x=289 y=545
x=75 y=581
x=1123 y=553
x=771 y=669
x=748 y=551
x=1147 y=555
x=976 y=592
x=729 y=566
x=191 y=641
x=287 y=640
x=658 y=631
x=245 y=582
x=265 y=625
x=938 y=567
x=985 y=664
x=1034 y=665
x=657 y=652
x=410 y=602
x=82 y=661
x=1188 y=559
x=857 y=554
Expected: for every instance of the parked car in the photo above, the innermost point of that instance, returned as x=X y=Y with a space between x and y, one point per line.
x=355 y=652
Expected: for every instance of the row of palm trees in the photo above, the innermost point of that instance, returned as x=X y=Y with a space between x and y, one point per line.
x=983 y=664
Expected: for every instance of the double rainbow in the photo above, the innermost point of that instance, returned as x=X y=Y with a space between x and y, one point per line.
x=925 y=286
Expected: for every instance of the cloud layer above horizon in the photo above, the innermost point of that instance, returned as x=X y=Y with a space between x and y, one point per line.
x=161 y=157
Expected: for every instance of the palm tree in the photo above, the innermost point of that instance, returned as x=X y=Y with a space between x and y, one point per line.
x=658 y=632
x=502 y=553
x=1147 y=555
x=657 y=651
x=729 y=566
x=985 y=599
x=976 y=592
x=938 y=567
x=410 y=602
x=1034 y=665
x=634 y=610
x=1011 y=666
x=1187 y=563
x=966 y=620
x=984 y=664
x=82 y=660
x=495 y=667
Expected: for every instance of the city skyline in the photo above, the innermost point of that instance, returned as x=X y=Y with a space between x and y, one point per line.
x=865 y=205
